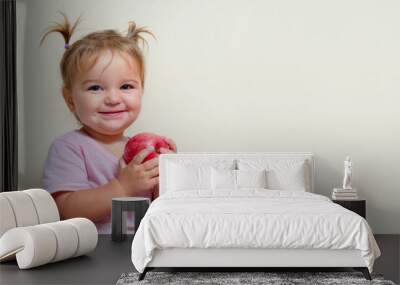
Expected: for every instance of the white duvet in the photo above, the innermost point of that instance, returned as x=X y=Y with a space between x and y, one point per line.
x=251 y=218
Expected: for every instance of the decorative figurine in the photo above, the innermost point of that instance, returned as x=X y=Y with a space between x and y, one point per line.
x=347 y=173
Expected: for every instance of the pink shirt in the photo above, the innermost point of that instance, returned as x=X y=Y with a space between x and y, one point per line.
x=76 y=161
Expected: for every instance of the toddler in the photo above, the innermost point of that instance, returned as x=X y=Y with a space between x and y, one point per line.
x=103 y=80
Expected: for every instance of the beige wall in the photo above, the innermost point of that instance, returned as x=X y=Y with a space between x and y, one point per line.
x=312 y=75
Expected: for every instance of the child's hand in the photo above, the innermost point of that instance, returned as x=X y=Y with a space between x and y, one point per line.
x=171 y=143
x=155 y=193
x=137 y=178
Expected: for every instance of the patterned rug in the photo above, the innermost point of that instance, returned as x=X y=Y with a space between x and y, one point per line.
x=269 y=278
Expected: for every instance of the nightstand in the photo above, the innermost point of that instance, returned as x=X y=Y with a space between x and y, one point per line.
x=357 y=206
x=120 y=206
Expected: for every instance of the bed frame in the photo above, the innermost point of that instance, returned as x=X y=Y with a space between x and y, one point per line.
x=261 y=259
x=246 y=259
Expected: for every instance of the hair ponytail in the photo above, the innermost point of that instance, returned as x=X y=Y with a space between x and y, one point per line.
x=65 y=29
x=84 y=52
x=134 y=33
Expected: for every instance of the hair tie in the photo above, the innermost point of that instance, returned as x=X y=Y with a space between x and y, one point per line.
x=66 y=46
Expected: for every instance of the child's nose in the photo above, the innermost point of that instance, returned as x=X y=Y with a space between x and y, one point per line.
x=112 y=97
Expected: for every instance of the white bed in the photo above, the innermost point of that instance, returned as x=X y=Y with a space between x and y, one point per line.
x=247 y=210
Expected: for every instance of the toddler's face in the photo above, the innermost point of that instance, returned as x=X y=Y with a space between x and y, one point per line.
x=107 y=98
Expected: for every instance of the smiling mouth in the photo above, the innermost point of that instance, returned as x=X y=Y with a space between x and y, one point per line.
x=110 y=113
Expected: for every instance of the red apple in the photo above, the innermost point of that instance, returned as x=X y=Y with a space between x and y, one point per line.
x=141 y=141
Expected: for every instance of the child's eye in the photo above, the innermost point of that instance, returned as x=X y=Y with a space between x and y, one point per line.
x=127 y=86
x=95 y=88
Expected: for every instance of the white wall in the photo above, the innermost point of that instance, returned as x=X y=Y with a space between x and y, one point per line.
x=311 y=75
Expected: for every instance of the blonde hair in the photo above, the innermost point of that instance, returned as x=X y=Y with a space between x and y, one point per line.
x=83 y=53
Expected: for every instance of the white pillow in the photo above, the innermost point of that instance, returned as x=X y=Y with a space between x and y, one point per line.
x=236 y=179
x=282 y=174
x=192 y=173
x=184 y=177
x=287 y=179
x=223 y=179
x=251 y=178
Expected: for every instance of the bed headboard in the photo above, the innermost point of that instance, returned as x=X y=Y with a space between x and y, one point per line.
x=231 y=159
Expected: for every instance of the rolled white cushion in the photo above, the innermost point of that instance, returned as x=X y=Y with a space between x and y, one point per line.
x=7 y=218
x=67 y=240
x=33 y=246
x=23 y=208
x=45 y=205
x=40 y=244
x=87 y=235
